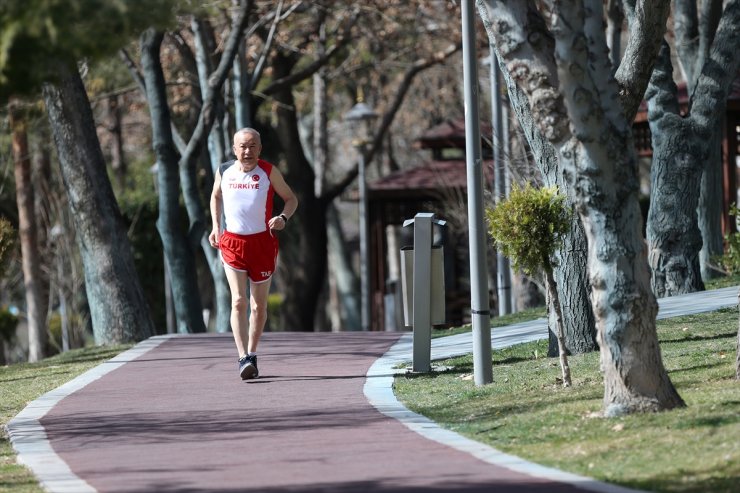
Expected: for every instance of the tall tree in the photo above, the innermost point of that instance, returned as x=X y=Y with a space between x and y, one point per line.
x=219 y=138
x=684 y=214
x=178 y=248
x=570 y=266
x=27 y=227
x=584 y=111
x=694 y=30
x=117 y=306
x=42 y=42
x=182 y=171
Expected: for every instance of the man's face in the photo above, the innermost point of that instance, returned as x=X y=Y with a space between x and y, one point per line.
x=247 y=147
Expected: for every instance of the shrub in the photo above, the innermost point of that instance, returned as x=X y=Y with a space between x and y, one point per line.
x=7 y=239
x=8 y=324
x=529 y=225
x=729 y=262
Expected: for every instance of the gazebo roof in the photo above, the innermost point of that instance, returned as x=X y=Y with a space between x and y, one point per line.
x=426 y=180
x=450 y=134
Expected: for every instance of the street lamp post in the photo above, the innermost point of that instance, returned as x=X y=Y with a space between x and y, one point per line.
x=361 y=118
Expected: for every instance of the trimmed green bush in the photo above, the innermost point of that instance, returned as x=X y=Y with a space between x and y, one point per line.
x=529 y=225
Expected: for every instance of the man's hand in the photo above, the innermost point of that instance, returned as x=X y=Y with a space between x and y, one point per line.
x=213 y=238
x=276 y=223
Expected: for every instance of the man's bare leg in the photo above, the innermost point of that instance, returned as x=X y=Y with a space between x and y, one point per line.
x=238 y=286
x=258 y=293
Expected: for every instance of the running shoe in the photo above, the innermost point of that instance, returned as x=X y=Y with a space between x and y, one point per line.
x=248 y=367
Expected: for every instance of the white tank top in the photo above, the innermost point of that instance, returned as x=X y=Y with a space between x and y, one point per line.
x=247 y=197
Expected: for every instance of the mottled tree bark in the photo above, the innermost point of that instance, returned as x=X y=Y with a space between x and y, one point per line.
x=685 y=154
x=673 y=235
x=694 y=30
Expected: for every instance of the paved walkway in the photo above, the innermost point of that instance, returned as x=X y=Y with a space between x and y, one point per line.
x=171 y=415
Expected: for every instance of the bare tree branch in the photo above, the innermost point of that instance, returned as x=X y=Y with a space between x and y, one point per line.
x=647 y=25
x=296 y=77
x=260 y=67
x=686 y=29
x=215 y=82
x=334 y=190
x=139 y=79
x=720 y=70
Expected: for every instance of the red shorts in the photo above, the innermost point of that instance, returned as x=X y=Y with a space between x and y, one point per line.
x=254 y=254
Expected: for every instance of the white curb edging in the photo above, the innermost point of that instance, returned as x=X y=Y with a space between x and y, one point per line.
x=379 y=392
x=29 y=438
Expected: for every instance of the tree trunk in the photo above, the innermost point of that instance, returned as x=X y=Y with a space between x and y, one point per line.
x=303 y=244
x=710 y=206
x=346 y=282
x=118 y=161
x=205 y=45
x=205 y=51
x=222 y=292
x=31 y=261
x=570 y=268
x=686 y=144
x=552 y=292
x=118 y=309
x=615 y=19
x=178 y=248
x=240 y=86
x=571 y=277
x=330 y=317
x=42 y=176
x=673 y=235
x=602 y=165
x=694 y=34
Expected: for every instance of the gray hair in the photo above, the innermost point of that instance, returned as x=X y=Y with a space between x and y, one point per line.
x=248 y=130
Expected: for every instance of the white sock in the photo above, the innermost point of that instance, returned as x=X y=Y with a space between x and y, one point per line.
x=252 y=353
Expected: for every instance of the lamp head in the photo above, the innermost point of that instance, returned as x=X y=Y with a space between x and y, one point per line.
x=361 y=118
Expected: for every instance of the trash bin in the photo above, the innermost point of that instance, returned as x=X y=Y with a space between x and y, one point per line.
x=437 y=276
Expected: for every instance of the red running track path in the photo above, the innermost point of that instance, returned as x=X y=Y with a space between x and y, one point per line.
x=179 y=419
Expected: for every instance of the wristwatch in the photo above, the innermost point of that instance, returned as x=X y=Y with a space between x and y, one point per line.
x=285 y=218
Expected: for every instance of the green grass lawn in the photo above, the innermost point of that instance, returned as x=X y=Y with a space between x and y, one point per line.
x=21 y=384
x=526 y=413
